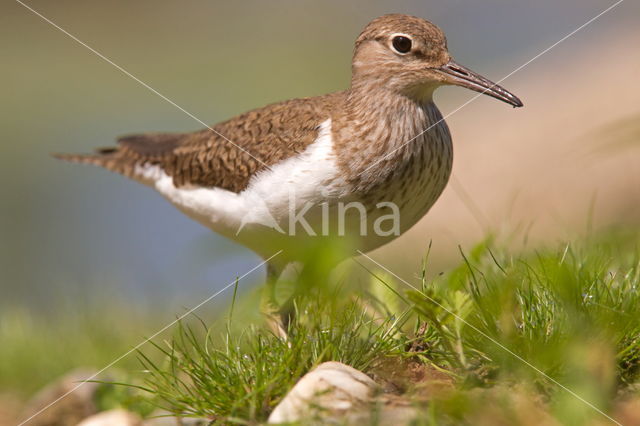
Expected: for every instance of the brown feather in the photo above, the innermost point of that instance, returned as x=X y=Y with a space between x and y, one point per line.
x=259 y=139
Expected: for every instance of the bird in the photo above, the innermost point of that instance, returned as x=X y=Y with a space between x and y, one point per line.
x=362 y=164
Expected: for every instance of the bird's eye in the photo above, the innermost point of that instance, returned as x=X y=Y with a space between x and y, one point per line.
x=401 y=44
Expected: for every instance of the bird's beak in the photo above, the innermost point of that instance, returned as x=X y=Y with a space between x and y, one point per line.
x=458 y=75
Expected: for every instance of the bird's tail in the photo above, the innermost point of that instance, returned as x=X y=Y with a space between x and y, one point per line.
x=108 y=158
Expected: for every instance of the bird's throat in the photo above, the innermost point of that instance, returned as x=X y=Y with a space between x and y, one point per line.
x=379 y=132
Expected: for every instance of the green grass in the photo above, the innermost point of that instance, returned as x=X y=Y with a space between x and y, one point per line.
x=539 y=330
x=240 y=378
x=538 y=307
x=571 y=312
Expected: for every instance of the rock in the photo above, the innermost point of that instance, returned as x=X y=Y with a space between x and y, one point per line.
x=117 y=417
x=332 y=390
x=70 y=408
x=398 y=416
x=164 y=418
x=386 y=410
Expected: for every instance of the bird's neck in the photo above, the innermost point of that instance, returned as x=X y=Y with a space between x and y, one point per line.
x=376 y=128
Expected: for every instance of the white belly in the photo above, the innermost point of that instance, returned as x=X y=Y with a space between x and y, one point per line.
x=311 y=177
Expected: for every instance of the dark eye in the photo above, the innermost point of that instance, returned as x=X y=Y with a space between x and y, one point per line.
x=401 y=44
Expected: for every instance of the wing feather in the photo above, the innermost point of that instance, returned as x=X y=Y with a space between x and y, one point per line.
x=227 y=156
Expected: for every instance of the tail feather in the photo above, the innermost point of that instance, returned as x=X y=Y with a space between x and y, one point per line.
x=108 y=158
x=130 y=153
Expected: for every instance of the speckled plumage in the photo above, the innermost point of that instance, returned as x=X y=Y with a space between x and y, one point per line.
x=235 y=150
x=260 y=138
x=381 y=140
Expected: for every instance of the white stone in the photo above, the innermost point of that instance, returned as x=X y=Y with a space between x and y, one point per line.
x=165 y=418
x=117 y=417
x=331 y=389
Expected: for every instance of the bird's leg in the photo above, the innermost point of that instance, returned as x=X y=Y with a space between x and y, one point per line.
x=287 y=311
x=269 y=303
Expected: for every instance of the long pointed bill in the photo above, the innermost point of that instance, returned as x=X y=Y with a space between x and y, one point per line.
x=461 y=76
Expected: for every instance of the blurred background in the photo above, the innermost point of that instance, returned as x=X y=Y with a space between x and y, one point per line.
x=78 y=241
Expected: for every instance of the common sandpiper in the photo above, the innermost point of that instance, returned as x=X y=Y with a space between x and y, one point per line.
x=381 y=148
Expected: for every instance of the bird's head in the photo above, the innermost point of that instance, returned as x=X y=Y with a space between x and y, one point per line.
x=409 y=55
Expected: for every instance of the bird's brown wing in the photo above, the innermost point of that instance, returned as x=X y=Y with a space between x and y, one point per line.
x=228 y=154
